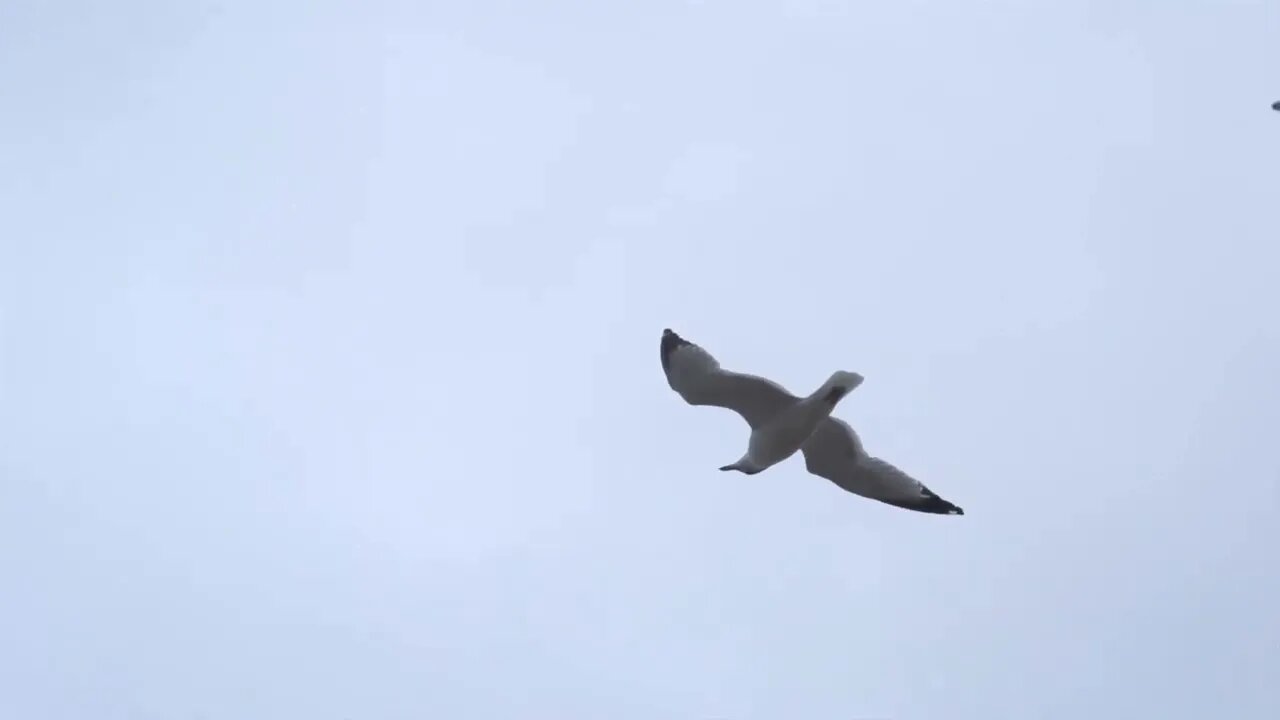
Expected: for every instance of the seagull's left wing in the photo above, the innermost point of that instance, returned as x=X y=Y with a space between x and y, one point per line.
x=698 y=378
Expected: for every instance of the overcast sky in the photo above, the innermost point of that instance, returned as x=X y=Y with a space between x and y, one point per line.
x=329 y=379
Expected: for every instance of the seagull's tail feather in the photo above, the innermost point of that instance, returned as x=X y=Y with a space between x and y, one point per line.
x=841 y=383
x=845 y=379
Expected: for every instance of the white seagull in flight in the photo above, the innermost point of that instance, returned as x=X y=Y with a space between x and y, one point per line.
x=782 y=423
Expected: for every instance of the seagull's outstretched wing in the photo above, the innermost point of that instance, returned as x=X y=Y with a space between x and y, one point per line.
x=834 y=452
x=697 y=377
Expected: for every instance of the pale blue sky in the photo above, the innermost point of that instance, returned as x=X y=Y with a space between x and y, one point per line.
x=330 y=388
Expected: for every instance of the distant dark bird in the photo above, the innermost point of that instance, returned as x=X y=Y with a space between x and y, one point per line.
x=1275 y=105
x=782 y=424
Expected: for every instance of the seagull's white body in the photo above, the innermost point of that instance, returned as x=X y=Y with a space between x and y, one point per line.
x=782 y=424
x=782 y=435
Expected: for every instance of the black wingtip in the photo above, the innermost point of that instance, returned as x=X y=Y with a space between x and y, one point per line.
x=929 y=503
x=670 y=341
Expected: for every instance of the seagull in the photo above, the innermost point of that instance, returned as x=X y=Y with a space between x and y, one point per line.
x=782 y=424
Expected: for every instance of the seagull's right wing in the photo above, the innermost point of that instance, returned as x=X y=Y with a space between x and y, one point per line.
x=697 y=377
x=835 y=452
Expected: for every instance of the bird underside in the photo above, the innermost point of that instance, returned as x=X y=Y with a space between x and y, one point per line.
x=832 y=450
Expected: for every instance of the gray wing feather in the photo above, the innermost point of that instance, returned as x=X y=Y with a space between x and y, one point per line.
x=698 y=378
x=835 y=452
